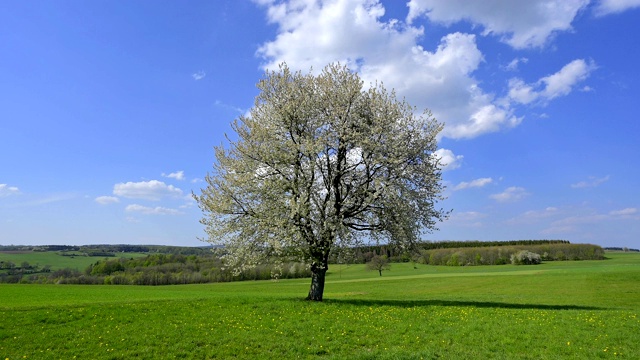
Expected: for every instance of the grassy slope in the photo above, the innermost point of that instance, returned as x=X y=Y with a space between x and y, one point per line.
x=572 y=310
x=55 y=260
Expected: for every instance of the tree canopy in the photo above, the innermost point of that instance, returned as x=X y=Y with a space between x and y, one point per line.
x=320 y=162
x=379 y=263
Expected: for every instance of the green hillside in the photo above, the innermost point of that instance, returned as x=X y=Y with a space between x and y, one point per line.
x=556 y=310
x=55 y=259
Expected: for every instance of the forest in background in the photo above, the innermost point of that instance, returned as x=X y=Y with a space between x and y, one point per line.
x=169 y=265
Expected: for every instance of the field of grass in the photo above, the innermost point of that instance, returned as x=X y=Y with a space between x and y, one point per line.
x=556 y=310
x=57 y=261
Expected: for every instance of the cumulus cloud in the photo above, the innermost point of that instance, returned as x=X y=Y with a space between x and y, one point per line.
x=606 y=7
x=473 y=183
x=105 y=200
x=312 y=34
x=522 y=93
x=521 y=24
x=448 y=160
x=6 y=190
x=549 y=87
x=151 y=210
x=198 y=75
x=511 y=194
x=562 y=82
x=592 y=182
x=178 y=175
x=148 y=190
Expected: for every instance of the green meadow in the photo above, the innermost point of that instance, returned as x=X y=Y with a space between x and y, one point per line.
x=72 y=260
x=556 y=310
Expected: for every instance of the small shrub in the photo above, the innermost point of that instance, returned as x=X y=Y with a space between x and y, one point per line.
x=525 y=257
x=457 y=259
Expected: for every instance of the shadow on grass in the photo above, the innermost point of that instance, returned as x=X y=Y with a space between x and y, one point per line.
x=478 y=304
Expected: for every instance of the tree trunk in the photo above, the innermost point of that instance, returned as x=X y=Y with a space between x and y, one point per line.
x=317 y=282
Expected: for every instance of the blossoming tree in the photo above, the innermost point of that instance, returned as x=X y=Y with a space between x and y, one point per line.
x=322 y=162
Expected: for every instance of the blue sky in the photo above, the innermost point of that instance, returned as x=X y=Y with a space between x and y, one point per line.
x=109 y=109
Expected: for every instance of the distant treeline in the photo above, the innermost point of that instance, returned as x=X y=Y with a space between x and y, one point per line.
x=180 y=266
x=478 y=243
x=499 y=255
x=24 y=268
x=106 y=249
x=364 y=254
x=156 y=269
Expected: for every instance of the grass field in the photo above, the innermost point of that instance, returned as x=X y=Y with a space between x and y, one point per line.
x=558 y=310
x=57 y=261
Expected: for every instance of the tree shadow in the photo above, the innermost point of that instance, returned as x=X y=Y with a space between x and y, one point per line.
x=478 y=304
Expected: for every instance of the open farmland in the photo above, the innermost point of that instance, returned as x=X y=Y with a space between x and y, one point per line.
x=55 y=259
x=569 y=310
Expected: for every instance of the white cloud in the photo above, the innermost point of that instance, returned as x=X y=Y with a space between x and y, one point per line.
x=562 y=82
x=6 y=190
x=468 y=215
x=606 y=7
x=149 y=190
x=592 y=182
x=189 y=204
x=624 y=212
x=484 y=117
x=473 y=183
x=549 y=87
x=533 y=216
x=198 y=75
x=581 y=222
x=151 y=210
x=520 y=92
x=558 y=229
x=521 y=24
x=571 y=221
x=312 y=34
x=105 y=200
x=230 y=107
x=467 y=218
x=578 y=222
x=448 y=160
x=49 y=199
x=513 y=65
x=178 y=175
x=511 y=194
